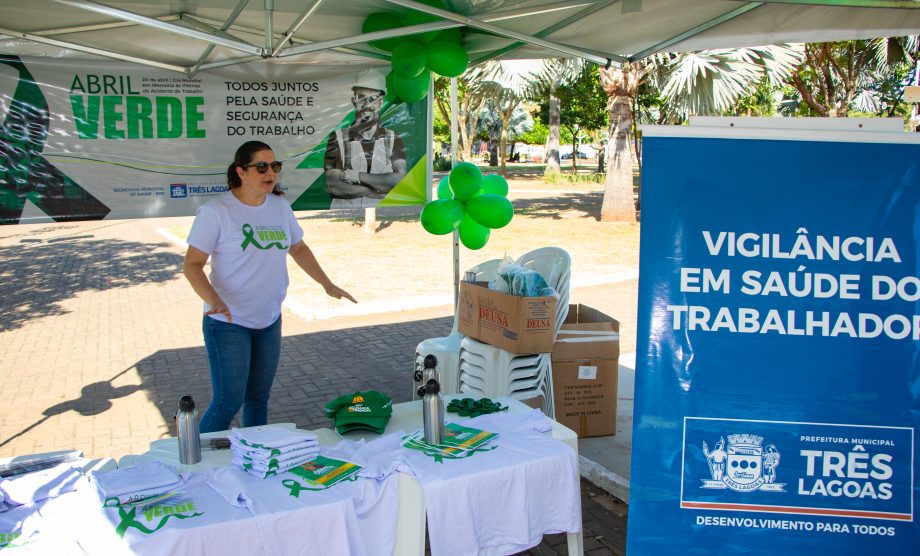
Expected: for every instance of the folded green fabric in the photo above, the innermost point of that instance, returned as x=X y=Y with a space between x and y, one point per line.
x=468 y=407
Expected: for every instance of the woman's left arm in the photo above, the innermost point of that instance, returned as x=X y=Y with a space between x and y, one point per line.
x=305 y=259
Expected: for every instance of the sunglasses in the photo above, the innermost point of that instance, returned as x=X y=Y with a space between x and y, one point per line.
x=262 y=167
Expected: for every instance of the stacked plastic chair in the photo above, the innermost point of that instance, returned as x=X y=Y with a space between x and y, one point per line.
x=447 y=348
x=488 y=371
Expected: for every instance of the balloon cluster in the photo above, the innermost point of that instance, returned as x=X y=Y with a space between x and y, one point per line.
x=466 y=199
x=414 y=57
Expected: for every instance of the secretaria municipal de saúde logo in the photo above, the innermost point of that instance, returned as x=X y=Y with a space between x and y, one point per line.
x=745 y=466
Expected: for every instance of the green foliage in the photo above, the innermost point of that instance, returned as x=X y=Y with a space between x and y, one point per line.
x=440 y=164
x=865 y=76
x=583 y=103
x=536 y=136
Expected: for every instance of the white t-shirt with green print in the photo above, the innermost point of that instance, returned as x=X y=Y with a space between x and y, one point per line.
x=248 y=247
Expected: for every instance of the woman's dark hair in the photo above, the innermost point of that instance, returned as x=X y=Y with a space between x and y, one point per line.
x=244 y=156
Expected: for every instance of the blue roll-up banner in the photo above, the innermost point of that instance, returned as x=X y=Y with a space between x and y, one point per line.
x=778 y=357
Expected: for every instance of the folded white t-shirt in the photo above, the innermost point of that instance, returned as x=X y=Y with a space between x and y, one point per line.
x=270 y=437
x=499 y=501
x=350 y=517
x=41 y=485
x=128 y=484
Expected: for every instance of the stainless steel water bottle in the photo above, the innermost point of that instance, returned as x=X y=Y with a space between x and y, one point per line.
x=427 y=371
x=189 y=435
x=432 y=411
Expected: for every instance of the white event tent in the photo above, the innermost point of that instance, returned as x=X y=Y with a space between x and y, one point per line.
x=194 y=35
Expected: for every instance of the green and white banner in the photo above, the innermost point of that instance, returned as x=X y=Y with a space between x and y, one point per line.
x=92 y=142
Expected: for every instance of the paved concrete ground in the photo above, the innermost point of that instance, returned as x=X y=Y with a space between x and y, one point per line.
x=100 y=336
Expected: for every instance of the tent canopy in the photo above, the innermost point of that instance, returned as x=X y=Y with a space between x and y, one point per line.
x=193 y=35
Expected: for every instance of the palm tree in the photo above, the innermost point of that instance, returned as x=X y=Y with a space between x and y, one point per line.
x=841 y=76
x=706 y=82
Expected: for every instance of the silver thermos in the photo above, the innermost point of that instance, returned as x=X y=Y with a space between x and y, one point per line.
x=432 y=411
x=187 y=427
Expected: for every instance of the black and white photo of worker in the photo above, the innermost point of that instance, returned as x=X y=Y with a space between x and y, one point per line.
x=365 y=161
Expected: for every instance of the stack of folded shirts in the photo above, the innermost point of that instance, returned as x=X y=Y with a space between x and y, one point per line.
x=133 y=485
x=266 y=451
x=40 y=485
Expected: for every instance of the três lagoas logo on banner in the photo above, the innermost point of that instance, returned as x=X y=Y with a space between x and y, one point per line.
x=811 y=469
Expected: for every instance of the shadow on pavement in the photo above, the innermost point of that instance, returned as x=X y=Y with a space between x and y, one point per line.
x=588 y=203
x=314 y=369
x=36 y=277
x=95 y=398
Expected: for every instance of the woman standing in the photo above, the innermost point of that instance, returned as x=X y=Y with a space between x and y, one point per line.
x=248 y=233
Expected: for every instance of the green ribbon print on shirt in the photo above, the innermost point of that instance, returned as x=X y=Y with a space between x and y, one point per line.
x=129 y=517
x=250 y=238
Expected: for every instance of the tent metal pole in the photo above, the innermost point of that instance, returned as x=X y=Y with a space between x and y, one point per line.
x=91 y=50
x=538 y=10
x=852 y=3
x=161 y=25
x=297 y=24
x=546 y=31
x=454 y=143
x=596 y=57
x=96 y=27
x=366 y=37
x=224 y=63
x=269 y=24
x=226 y=25
x=696 y=30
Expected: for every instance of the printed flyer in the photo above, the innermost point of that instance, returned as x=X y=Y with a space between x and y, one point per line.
x=777 y=377
x=84 y=141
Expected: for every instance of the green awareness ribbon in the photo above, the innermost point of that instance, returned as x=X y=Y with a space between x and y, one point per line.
x=128 y=520
x=250 y=238
x=439 y=456
x=296 y=486
x=468 y=407
x=25 y=173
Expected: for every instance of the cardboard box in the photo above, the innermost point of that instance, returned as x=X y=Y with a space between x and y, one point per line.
x=585 y=372
x=519 y=325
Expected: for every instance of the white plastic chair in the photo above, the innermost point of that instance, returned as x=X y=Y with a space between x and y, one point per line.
x=447 y=348
x=492 y=371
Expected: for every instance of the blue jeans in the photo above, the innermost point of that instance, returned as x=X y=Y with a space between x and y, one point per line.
x=243 y=363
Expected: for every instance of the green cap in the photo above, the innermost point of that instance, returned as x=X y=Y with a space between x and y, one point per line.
x=369 y=410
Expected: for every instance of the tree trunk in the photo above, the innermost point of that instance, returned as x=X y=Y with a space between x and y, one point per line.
x=502 y=143
x=618 y=205
x=552 y=139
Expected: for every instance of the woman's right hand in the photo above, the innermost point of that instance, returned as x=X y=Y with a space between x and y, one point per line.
x=220 y=308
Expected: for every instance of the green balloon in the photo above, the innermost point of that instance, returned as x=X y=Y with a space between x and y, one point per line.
x=465 y=180
x=413 y=17
x=409 y=59
x=382 y=22
x=447 y=58
x=494 y=184
x=472 y=234
x=444 y=191
x=492 y=211
x=442 y=216
x=412 y=90
x=454 y=35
